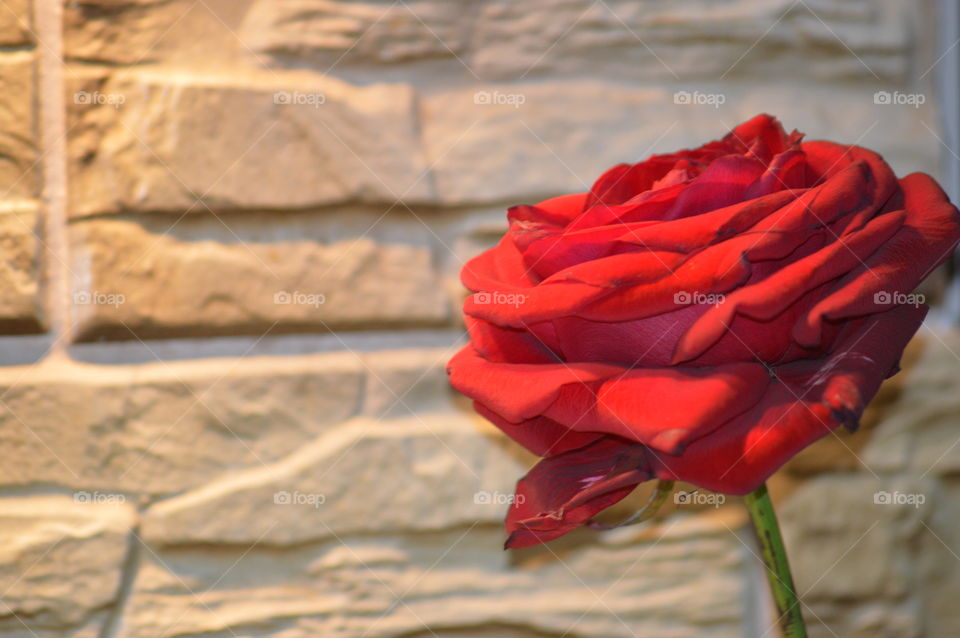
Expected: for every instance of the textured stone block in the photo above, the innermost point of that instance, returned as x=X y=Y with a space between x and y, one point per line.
x=20 y=304
x=683 y=579
x=427 y=472
x=135 y=284
x=849 y=536
x=155 y=141
x=61 y=559
x=166 y=427
x=19 y=172
x=467 y=131
x=921 y=435
x=15 y=23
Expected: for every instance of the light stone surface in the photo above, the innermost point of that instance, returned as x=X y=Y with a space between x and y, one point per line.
x=154 y=140
x=60 y=559
x=20 y=244
x=131 y=283
x=163 y=428
x=19 y=173
x=682 y=579
x=16 y=23
x=498 y=39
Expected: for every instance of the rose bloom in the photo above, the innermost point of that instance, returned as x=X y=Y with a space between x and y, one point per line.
x=700 y=316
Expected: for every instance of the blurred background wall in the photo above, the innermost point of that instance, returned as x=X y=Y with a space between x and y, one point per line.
x=231 y=233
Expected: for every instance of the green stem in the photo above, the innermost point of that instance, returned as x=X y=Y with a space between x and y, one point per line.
x=764 y=521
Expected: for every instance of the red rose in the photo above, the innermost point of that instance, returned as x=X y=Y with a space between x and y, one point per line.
x=700 y=316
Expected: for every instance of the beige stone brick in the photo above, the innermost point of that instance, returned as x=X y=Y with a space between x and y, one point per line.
x=163 y=428
x=132 y=283
x=682 y=579
x=145 y=141
x=62 y=557
x=19 y=172
x=16 y=28
x=20 y=304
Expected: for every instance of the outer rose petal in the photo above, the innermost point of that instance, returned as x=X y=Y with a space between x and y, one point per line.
x=929 y=234
x=563 y=492
x=811 y=399
x=519 y=391
x=540 y=435
x=770 y=297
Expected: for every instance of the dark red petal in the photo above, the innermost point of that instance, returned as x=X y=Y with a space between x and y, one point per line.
x=563 y=492
x=507 y=345
x=540 y=435
x=624 y=181
x=768 y=298
x=929 y=234
x=519 y=391
x=723 y=183
x=664 y=408
x=810 y=399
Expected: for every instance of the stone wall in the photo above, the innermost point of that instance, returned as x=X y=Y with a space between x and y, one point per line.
x=231 y=231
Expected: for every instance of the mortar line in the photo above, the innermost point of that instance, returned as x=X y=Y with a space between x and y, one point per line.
x=52 y=127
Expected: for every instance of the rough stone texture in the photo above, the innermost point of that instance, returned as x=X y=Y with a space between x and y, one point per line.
x=60 y=559
x=683 y=579
x=922 y=436
x=15 y=23
x=190 y=142
x=162 y=428
x=18 y=136
x=20 y=308
x=499 y=39
x=130 y=283
x=618 y=123
x=334 y=487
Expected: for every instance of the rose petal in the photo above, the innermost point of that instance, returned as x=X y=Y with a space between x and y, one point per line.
x=927 y=238
x=768 y=298
x=564 y=491
x=808 y=401
x=540 y=435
